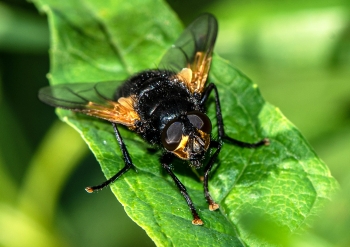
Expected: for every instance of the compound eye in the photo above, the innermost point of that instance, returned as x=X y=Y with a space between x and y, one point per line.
x=200 y=121
x=171 y=135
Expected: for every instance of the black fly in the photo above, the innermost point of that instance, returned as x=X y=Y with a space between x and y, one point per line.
x=166 y=106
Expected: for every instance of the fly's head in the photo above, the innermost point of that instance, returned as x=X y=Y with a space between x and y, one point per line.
x=188 y=137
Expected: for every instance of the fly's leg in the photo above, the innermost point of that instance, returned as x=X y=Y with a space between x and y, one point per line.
x=127 y=161
x=220 y=121
x=218 y=144
x=165 y=160
x=212 y=204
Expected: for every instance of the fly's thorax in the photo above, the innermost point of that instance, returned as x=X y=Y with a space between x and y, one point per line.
x=158 y=101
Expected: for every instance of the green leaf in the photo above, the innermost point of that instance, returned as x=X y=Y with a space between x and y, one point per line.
x=109 y=40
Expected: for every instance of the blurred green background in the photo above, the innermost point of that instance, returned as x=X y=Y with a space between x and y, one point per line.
x=298 y=52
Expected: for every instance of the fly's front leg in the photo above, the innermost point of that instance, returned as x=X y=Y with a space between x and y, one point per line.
x=212 y=204
x=218 y=144
x=222 y=136
x=165 y=160
x=127 y=161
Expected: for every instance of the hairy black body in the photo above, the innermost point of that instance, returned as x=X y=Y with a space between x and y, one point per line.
x=160 y=98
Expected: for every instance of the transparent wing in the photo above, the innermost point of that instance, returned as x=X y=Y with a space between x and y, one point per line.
x=96 y=100
x=193 y=50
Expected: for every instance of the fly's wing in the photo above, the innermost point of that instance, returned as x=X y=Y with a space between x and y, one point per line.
x=191 y=54
x=95 y=100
